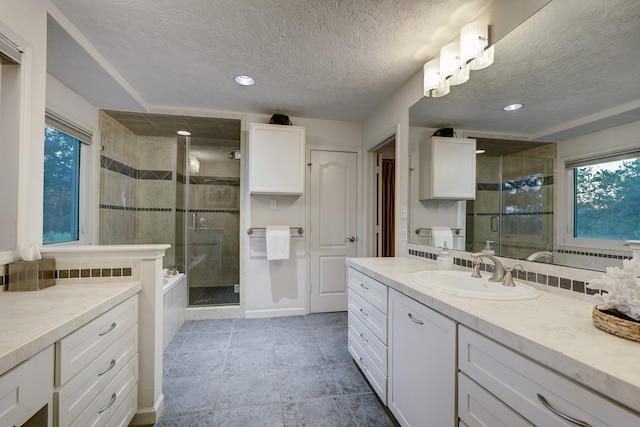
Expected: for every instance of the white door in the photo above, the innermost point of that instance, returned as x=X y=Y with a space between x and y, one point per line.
x=333 y=225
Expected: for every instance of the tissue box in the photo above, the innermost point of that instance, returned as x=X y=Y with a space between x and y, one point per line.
x=31 y=275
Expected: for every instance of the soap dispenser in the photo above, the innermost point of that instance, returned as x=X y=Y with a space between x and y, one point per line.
x=445 y=259
x=487 y=248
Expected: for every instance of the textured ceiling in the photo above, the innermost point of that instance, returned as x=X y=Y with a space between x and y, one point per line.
x=327 y=59
x=574 y=65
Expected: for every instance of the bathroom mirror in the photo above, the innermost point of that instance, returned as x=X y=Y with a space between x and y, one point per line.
x=572 y=66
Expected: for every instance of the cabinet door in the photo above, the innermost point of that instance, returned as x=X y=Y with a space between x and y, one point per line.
x=448 y=169
x=422 y=375
x=276 y=159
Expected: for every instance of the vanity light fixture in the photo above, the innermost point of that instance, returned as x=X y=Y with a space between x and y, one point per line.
x=184 y=133
x=472 y=52
x=244 y=80
x=513 y=107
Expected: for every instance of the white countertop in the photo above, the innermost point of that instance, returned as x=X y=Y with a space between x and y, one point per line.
x=554 y=330
x=31 y=321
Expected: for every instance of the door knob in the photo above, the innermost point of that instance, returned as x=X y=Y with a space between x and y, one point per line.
x=351 y=239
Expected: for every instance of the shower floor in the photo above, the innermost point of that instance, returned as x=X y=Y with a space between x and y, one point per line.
x=213 y=295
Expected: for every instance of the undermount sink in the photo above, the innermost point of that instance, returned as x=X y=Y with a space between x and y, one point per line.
x=461 y=284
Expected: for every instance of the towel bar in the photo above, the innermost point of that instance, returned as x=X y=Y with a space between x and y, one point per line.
x=261 y=232
x=426 y=231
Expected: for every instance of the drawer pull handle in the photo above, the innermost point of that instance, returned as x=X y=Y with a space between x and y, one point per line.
x=110 y=367
x=364 y=313
x=103 y=333
x=413 y=319
x=113 y=400
x=363 y=364
x=362 y=285
x=548 y=405
x=363 y=338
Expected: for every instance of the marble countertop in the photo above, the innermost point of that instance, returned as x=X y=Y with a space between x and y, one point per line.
x=32 y=321
x=555 y=330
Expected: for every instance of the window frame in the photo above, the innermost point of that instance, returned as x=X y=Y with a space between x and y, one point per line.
x=85 y=177
x=567 y=196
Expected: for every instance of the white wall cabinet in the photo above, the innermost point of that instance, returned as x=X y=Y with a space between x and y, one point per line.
x=367 y=340
x=498 y=386
x=447 y=169
x=276 y=159
x=422 y=364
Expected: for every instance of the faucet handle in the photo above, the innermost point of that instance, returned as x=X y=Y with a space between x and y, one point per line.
x=476 y=269
x=508 y=276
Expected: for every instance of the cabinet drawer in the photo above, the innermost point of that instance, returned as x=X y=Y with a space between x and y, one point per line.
x=371 y=317
x=522 y=384
x=377 y=378
x=124 y=413
x=100 y=411
x=479 y=408
x=26 y=388
x=375 y=349
x=370 y=289
x=75 y=351
x=74 y=396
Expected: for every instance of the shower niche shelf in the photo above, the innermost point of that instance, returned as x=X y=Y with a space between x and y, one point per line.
x=276 y=159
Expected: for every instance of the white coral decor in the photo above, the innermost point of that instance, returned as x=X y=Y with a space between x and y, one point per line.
x=623 y=288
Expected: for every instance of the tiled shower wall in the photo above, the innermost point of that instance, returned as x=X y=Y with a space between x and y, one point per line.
x=138 y=192
x=527 y=229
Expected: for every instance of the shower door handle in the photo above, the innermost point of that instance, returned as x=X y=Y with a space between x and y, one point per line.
x=495 y=224
x=195 y=221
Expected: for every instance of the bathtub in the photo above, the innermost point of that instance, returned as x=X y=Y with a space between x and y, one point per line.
x=174 y=300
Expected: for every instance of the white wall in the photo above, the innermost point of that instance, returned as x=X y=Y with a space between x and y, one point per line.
x=25 y=22
x=273 y=288
x=390 y=117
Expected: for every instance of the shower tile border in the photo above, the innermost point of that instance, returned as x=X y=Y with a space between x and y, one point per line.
x=131 y=172
x=134 y=209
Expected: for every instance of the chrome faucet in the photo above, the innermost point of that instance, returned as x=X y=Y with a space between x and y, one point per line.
x=508 y=275
x=498 y=268
x=534 y=256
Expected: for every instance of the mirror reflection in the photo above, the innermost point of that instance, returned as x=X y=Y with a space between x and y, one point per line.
x=525 y=196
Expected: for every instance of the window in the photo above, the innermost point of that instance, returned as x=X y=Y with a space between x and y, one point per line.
x=61 y=187
x=65 y=163
x=606 y=197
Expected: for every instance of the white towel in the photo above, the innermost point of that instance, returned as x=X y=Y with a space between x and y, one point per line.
x=278 y=237
x=442 y=235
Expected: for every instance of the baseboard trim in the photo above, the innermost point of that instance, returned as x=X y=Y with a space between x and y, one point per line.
x=149 y=416
x=253 y=314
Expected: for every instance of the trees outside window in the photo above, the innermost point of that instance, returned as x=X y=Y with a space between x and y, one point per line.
x=607 y=200
x=61 y=187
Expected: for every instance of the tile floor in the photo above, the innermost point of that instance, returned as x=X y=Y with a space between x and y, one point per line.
x=282 y=371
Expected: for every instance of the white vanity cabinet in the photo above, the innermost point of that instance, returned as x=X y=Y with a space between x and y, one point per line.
x=422 y=364
x=498 y=386
x=276 y=159
x=447 y=169
x=367 y=340
x=96 y=370
x=26 y=388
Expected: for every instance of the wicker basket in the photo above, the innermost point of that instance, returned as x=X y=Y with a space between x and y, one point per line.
x=613 y=322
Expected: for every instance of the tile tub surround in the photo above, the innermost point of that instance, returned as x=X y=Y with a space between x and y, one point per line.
x=293 y=371
x=555 y=329
x=34 y=320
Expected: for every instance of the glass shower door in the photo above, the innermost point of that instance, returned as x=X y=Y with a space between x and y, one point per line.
x=211 y=221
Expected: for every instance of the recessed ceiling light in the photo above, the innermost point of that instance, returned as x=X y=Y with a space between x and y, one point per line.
x=513 y=107
x=184 y=132
x=244 y=80
x=481 y=151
